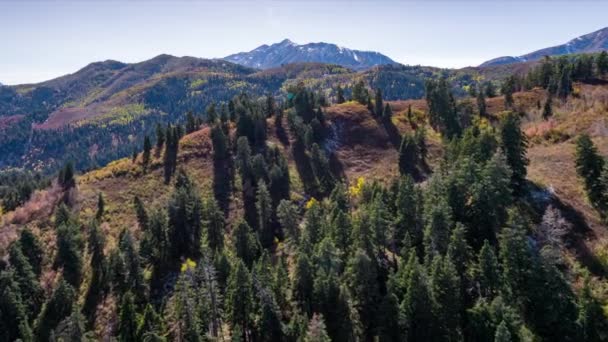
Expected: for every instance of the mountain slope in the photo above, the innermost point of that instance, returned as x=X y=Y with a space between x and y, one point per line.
x=591 y=42
x=285 y=52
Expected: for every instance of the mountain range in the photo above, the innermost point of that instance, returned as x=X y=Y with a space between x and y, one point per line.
x=286 y=52
x=588 y=43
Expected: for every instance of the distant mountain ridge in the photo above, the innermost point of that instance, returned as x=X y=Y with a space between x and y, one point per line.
x=286 y=52
x=588 y=43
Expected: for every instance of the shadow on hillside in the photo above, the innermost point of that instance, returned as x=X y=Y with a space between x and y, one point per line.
x=580 y=231
x=541 y=198
x=596 y=81
x=307 y=176
x=336 y=167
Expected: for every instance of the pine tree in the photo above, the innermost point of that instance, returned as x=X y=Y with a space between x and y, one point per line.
x=211 y=113
x=481 y=104
x=408 y=156
x=446 y=296
x=185 y=218
x=30 y=289
x=96 y=244
x=264 y=214
x=410 y=116
x=101 y=207
x=14 y=319
x=141 y=213
x=502 y=333
x=388 y=112
x=514 y=144
x=246 y=243
x=316 y=331
x=590 y=167
x=548 y=108
x=69 y=252
x=379 y=104
x=72 y=328
x=303 y=284
x=147 y=151
x=389 y=328
x=127 y=321
x=508 y=87
x=58 y=307
x=32 y=249
x=150 y=326
x=486 y=271
x=288 y=218
x=592 y=322
x=602 y=63
x=359 y=93
x=135 y=279
x=320 y=167
x=360 y=276
x=564 y=85
x=416 y=308
x=442 y=108
x=239 y=299
x=490 y=90
x=340 y=95
x=213 y=225
x=160 y=138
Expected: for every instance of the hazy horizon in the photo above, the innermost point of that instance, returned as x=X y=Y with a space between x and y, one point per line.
x=42 y=40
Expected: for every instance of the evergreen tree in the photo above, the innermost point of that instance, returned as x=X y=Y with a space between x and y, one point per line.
x=127 y=321
x=141 y=213
x=389 y=328
x=502 y=333
x=360 y=93
x=514 y=144
x=320 y=167
x=246 y=243
x=58 y=307
x=69 y=252
x=388 y=112
x=481 y=104
x=446 y=296
x=442 y=108
x=14 y=318
x=303 y=284
x=416 y=309
x=213 y=225
x=340 y=95
x=508 y=87
x=408 y=156
x=264 y=213
x=211 y=113
x=316 y=331
x=160 y=138
x=100 y=207
x=72 y=328
x=239 y=299
x=150 y=327
x=360 y=276
x=147 y=150
x=96 y=244
x=379 y=104
x=288 y=218
x=592 y=322
x=564 y=85
x=590 y=166
x=490 y=91
x=30 y=289
x=185 y=218
x=548 y=108
x=486 y=271
x=32 y=249
x=135 y=279
x=602 y=63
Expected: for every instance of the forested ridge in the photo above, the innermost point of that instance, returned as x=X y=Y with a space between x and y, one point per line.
x=250 y=224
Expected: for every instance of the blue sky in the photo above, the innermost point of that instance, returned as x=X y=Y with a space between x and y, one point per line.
x=40 y=40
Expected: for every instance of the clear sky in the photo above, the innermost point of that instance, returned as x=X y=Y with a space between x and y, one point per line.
x=40 y=40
